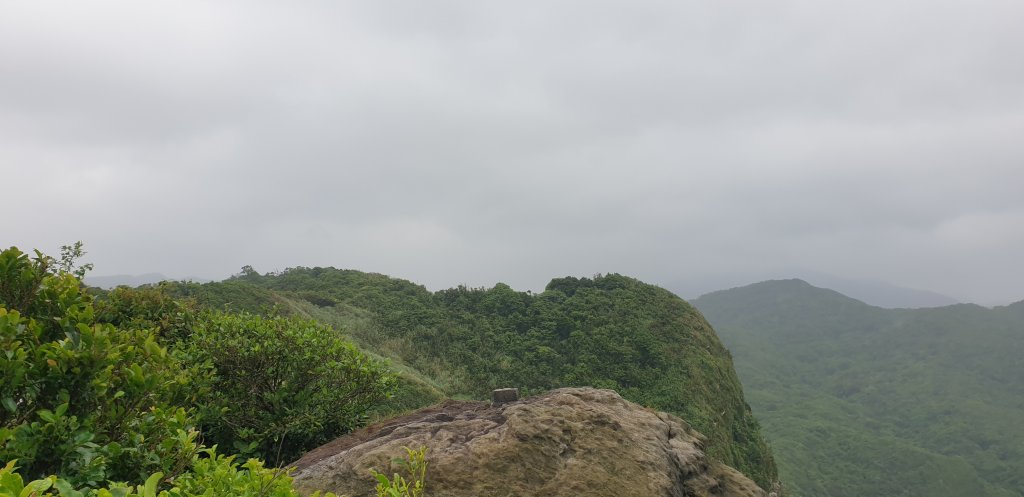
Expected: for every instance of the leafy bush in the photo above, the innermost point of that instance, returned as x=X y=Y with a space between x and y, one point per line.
x=88 y=409
x=269 y=401
x=83 y=400
x=212 y=474
x=283 y=385
x=150 y=307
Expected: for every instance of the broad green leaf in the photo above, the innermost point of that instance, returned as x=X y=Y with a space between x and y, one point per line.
x=66 y=490
x=36 y=487
x=151 y=483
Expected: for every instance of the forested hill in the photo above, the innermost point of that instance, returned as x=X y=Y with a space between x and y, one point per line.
x=609 y=332
x=858 y=400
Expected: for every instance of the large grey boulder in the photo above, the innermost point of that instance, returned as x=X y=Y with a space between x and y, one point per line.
x=568 y=442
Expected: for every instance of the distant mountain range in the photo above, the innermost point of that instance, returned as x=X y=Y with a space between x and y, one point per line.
x=870 y=291
x=880 y=293
x=860 y=400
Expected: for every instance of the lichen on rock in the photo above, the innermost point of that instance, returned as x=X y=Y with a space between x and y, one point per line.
x=567 y=442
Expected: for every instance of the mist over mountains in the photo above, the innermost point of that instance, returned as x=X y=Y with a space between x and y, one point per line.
x=875 y=292
x=879 y=293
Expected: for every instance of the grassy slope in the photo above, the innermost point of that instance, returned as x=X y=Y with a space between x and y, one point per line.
x=859 y=400
x=610 y=332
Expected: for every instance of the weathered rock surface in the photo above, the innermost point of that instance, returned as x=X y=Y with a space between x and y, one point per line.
x=568 y=442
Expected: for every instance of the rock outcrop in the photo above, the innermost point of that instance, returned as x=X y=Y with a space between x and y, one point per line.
x=568 y=442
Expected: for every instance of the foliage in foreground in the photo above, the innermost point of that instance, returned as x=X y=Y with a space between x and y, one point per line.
x=211 y=475
x=88 y=408
x=80 y=399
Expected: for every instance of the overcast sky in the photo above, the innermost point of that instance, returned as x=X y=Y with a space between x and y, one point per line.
x=694 y=144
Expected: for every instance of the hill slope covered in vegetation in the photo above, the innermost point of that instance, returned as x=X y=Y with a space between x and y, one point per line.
x=859 y=400
x=608 y=332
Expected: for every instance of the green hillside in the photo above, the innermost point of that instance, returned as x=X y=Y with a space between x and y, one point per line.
x=858 y=400
x=610 y=332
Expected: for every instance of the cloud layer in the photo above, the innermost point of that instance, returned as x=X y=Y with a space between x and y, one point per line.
x=693 y=144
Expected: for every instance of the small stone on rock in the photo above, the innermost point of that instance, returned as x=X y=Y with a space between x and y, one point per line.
x=503 y=395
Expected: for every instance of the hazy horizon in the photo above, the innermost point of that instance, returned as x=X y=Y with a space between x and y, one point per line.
x=706 y=144
x=877 y=293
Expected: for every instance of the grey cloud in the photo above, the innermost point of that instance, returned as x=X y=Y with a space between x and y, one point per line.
x=471 y=142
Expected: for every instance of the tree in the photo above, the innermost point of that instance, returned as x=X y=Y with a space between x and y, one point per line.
x=69 y=256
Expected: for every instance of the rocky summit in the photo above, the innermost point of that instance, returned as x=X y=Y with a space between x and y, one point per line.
x=567 y=442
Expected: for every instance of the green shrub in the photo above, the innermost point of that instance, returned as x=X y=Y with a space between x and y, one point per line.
x=83 y=400
x=150 y=307
x=92 y=405
x=212 y=475
x=283 y=385
x=412 y=484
